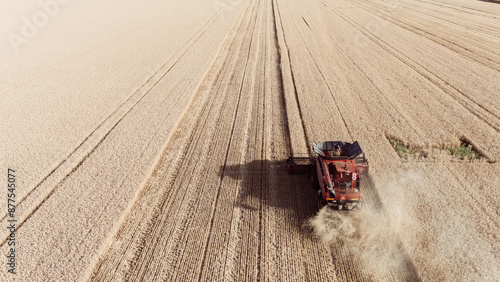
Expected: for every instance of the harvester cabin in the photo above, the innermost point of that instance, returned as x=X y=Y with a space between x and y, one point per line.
x=341 y=172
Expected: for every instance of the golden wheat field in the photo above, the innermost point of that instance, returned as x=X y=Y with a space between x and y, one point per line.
x=147 y=140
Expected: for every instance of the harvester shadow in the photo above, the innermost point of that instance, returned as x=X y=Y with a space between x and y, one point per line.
x=265 y=186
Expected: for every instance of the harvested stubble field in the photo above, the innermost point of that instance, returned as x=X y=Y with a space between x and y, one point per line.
x=151 y=144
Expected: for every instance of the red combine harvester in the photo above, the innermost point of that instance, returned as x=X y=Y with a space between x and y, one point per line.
x=336 y=173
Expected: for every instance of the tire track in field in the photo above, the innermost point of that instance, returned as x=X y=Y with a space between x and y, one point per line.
x=237 y=252
x=475 y=108
x=76 y=157
x=127 y=242
x=431 y=11
x=342 y=74
x=341 y=262
x=294 y=110
x=453 y=19
x=477 y=201
x=49 y=183
x=209 y=113
x=346 y=260
x=236 y=223
x=456 y=7
x=332 y=94
x=225 y=198
x=227 y=154
x=178 y=250
x=289 y=203
x=456 y=45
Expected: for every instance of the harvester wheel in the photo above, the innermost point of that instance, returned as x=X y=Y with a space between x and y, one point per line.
x=314 y=179
x=321 y=204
